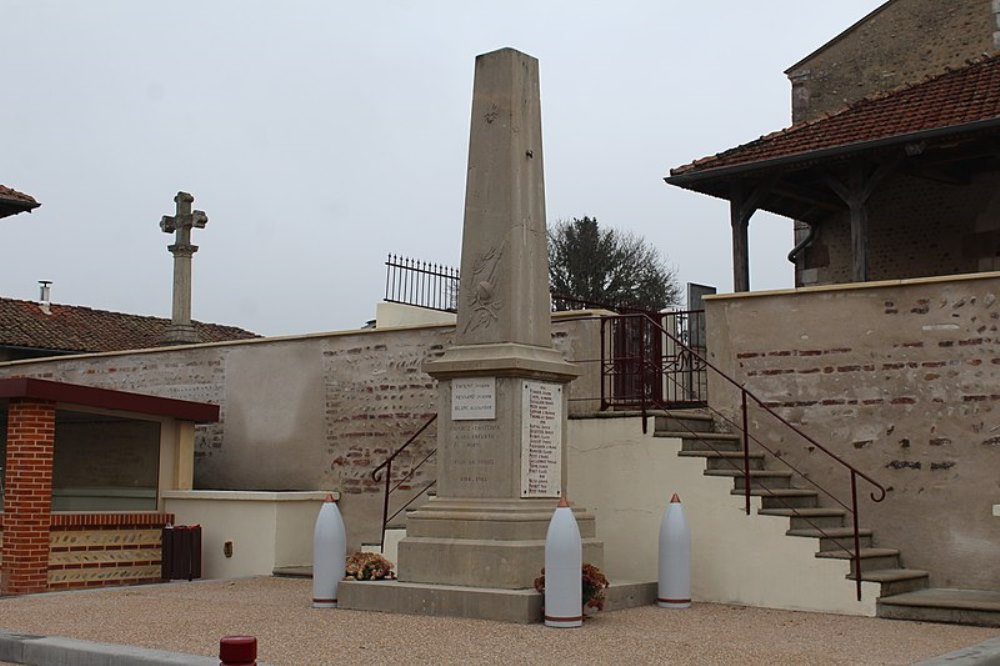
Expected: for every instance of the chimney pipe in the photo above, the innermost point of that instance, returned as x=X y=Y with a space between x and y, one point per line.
x=44 y=296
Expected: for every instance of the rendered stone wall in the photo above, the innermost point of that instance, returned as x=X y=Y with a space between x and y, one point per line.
x=901 y=43
x=315 y=412
x=917 y=228
x=900 y=379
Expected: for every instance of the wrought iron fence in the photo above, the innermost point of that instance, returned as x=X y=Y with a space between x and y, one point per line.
x=646 y=366
x=421 y=284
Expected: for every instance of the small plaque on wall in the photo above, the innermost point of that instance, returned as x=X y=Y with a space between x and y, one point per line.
x=474 y=399
x=541 y=439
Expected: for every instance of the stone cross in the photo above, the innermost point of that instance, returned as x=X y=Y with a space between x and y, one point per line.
x=181 y=330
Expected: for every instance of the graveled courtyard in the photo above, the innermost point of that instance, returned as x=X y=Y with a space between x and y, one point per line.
x=190 y=617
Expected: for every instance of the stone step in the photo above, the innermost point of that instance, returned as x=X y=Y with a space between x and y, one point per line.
x=896 y=581
x=725 y=459
x=807 y=518
x=759 y=478
x=872 y=559
x=782 y=497
x=835 y=538
x=977 y=607
x=705 y=441
x=684 y=421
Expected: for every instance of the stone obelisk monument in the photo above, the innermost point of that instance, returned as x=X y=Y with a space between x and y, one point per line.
x=502 y=399
x=181 y=330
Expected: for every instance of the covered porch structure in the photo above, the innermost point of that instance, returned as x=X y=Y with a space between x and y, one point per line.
x=897 y=186
x=84 y=472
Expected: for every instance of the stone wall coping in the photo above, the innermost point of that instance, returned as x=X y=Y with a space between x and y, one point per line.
x=266 y=340
x=250 y=495
x=856 y=286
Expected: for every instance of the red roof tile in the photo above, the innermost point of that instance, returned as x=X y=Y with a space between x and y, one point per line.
x=955 y=98
x=78 y=329
x=14 y=195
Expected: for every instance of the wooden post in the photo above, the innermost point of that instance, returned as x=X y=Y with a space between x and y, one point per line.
x=855 y=194
x=741 y=246
x=742 y=206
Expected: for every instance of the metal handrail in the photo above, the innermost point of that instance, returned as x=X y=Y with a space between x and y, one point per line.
x=745 y=394
x=387 y=466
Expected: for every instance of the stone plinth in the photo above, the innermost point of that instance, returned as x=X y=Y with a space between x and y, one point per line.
x=484 y=543
x=520 y=606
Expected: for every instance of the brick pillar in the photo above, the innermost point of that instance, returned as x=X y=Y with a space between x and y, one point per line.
x=27 y=502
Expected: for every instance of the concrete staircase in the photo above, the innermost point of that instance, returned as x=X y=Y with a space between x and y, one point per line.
x=904 y=592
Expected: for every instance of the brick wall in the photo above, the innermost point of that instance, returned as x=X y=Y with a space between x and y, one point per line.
x=916 y=228
x=902 y=43
x=27 y=495
x=901 y=380
x=96 y=550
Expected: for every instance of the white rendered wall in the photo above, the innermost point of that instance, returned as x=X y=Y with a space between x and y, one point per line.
x=390 y=315
x=626 y=478
x=267 y=529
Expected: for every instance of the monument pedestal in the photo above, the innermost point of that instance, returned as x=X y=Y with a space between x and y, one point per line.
x=476 y=549
x=479 y=603
x=484 y=543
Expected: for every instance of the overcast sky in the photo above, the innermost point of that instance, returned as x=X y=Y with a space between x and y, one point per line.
x=320 y=136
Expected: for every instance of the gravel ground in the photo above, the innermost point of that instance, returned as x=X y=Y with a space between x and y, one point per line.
x=191 y=617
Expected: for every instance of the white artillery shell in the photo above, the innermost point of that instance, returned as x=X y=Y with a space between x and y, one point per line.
x=329 y=555
x=675 y=558
x=563 y=570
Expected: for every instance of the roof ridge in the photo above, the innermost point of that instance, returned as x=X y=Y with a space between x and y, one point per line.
x=148 y=318
x=856 y=106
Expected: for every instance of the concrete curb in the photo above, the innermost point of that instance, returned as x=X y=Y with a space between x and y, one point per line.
x=986 y=653
x=55 y=651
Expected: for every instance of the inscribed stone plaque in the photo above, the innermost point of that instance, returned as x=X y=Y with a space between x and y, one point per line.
x=474 y=399
x=541 y=439
x=472 y=460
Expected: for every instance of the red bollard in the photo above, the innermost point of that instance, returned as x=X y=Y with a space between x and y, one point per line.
x=238 y=651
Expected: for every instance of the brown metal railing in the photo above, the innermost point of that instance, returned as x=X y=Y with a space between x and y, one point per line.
x=647 y=373
x=390 y=489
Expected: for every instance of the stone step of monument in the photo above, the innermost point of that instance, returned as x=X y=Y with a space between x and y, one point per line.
x=977 y=607
x=390 y=550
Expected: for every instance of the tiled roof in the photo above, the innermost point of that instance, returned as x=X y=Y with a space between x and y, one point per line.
x=12 y=201
x=952 y=99
x=79 y=329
